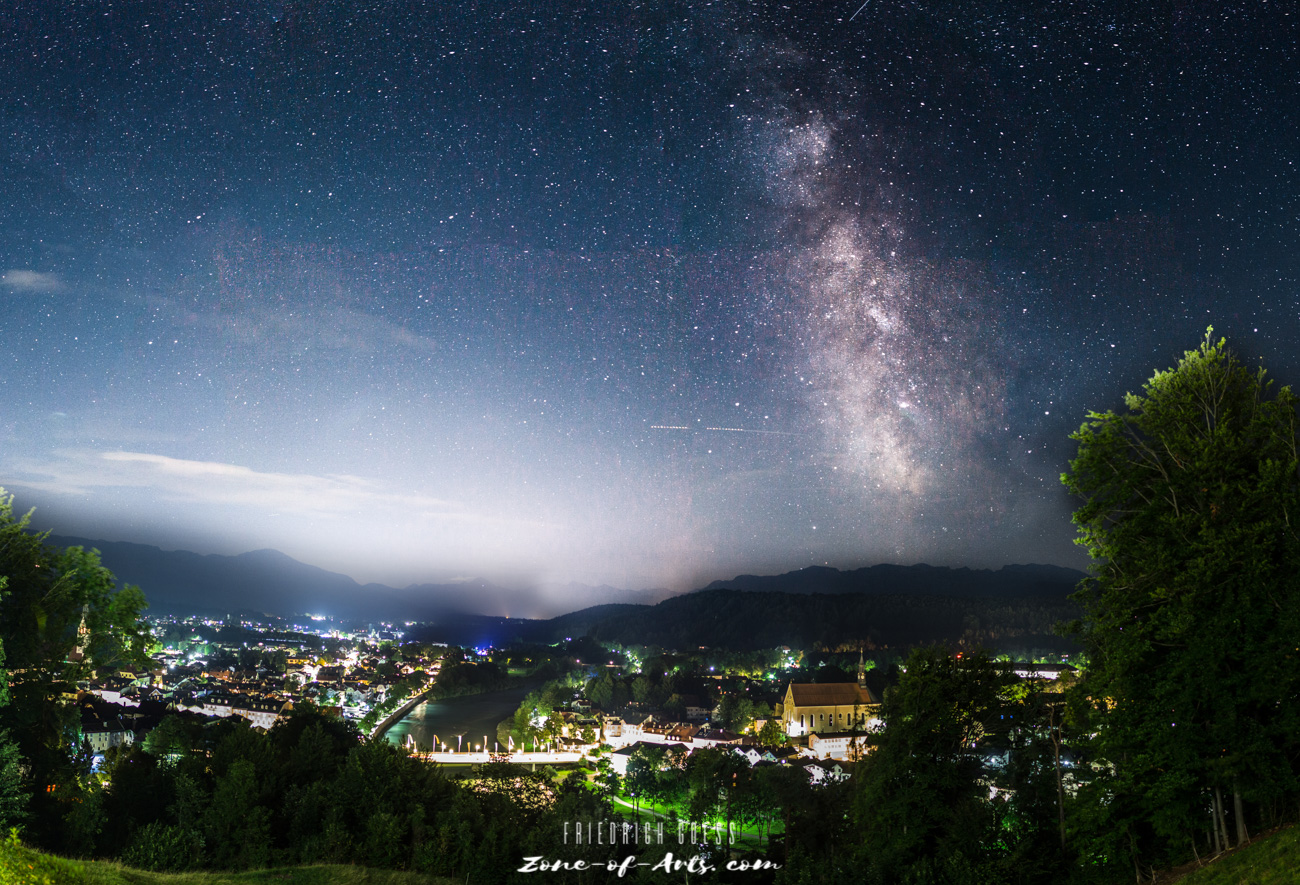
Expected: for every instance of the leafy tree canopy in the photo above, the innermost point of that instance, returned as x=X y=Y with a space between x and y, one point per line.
x=1192 y=613
x=61 y=618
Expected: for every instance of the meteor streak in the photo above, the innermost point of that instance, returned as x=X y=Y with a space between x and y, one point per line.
x=726 y=429
x=749 y=430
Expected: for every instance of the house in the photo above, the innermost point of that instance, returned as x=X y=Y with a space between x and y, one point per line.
x=820 y=772
x=619 y=759
x=104 y=733
x=847 y=745
x=116 y=690
x=696 y=709
x=155 y=694
x=669 y=732
x=1042 y=671
x=218 y=704
x=622 y=730
x=261 y=713
x=811 y=707
x=716 y=737
x=766 y=755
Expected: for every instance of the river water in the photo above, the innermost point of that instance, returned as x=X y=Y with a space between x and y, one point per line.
x=472 y=716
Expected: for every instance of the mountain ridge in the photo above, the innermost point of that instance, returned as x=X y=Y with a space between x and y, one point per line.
x=182 y=581
x=269 y=580
x=888 y=578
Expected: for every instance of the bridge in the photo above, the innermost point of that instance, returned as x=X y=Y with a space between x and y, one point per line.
x=476 y=756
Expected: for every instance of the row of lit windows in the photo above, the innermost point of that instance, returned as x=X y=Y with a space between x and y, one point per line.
x=819 y=719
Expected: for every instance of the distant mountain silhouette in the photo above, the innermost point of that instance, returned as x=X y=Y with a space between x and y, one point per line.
x=178 y=581
x=1016 y=608
x=1010 y=580
x=740 y=619
x=745 y=620
x=883 y=604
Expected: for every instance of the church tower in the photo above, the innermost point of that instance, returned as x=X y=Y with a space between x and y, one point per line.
x=78 y=652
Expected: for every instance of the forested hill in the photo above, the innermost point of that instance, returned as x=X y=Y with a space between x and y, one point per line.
x=750 y=619
x=741 y=620
x=1012 y=580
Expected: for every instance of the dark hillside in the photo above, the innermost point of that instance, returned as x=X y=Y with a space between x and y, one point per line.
x=883 y=580
x=743 y=620
x=749 y=620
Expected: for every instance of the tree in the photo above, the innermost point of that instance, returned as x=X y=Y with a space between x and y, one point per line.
x=530 y=719
x=921 y=802
x=737 y=713
x=237 y=826
x=648 y=774
x=1192 y=615
x=716 y=779
x=12 y=800
x=61 y=618
x=608 y=783
x=771 y=734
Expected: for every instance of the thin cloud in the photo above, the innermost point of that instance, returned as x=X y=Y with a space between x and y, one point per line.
x=221 y=483
x=31 y=281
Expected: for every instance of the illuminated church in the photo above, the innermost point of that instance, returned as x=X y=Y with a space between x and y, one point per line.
x=824 y=708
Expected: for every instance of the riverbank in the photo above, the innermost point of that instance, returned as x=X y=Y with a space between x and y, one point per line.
x=437 y=691
x=400 y=713
x=473 y=716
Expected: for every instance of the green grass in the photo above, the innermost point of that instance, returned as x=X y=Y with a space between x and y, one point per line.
x=20 y=865
x=748 y=836
x=1273 y=860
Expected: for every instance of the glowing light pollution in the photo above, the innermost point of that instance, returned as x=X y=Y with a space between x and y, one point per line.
x=643 y=295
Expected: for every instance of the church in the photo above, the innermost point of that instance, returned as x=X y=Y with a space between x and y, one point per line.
x=827 y=707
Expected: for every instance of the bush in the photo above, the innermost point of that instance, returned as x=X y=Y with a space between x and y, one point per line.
x=164 y=847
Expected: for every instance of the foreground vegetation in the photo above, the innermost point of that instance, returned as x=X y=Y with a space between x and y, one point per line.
x=21 y=865
x=1273 y=860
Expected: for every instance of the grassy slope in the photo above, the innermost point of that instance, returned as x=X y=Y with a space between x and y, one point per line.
x=1271 y=860
x=20 y=865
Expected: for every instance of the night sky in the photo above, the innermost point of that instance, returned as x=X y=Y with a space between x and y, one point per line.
x=638 y=293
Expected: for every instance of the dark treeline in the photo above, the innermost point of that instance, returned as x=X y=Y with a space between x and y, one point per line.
x=749 y=621
x=312 y=790
x=915 y=580
x=736 y=619
x=309 y=791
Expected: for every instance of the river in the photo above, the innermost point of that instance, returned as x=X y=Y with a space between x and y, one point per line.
x=473 y=716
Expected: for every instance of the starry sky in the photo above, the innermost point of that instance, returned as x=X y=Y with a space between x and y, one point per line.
x=637 y=293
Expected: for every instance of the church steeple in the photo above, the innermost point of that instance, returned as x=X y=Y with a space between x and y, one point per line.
x=862 y=670
x=78 y=652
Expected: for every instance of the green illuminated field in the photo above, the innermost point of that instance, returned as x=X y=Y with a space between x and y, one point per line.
x=20 y=865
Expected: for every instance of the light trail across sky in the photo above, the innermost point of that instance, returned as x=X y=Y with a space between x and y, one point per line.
x=724 y=429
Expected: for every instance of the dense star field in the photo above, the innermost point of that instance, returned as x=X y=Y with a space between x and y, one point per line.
x=637 y=293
